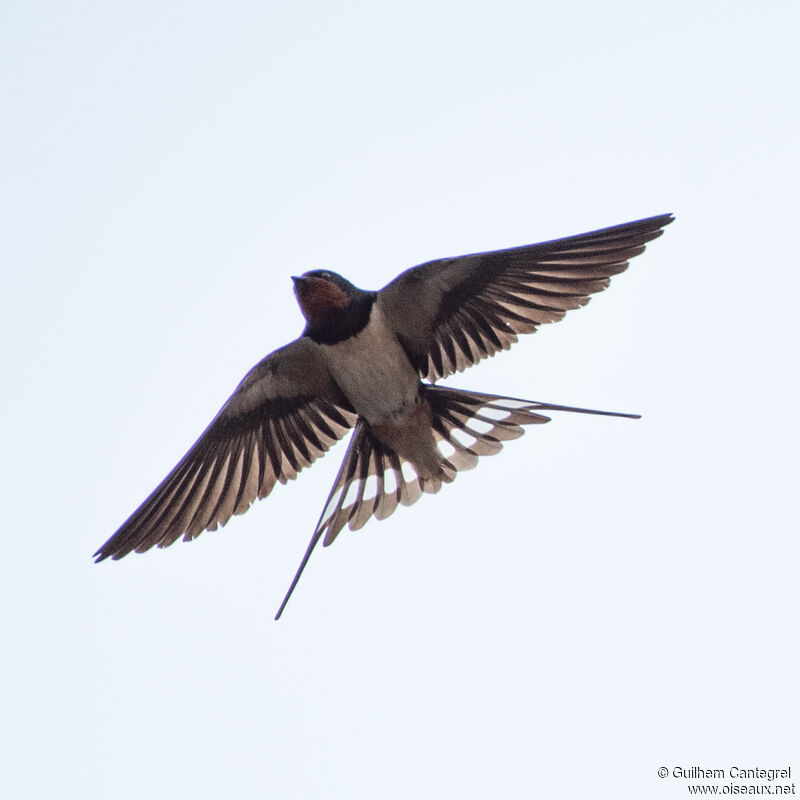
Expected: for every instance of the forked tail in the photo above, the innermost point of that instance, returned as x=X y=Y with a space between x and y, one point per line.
x=373 y=480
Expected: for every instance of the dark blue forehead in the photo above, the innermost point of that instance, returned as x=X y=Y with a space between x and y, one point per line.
x=327 y=275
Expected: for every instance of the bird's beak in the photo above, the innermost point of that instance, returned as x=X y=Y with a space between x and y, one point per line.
x=296 y=279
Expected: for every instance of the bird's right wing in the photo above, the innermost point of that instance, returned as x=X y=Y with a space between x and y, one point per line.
x=284 y=414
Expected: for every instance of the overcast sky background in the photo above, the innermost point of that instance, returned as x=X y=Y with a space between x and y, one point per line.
x=603 y=598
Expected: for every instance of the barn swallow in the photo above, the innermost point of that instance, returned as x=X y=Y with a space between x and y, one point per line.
x=369 y=360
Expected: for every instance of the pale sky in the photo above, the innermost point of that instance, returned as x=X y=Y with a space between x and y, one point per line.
x=603 y=598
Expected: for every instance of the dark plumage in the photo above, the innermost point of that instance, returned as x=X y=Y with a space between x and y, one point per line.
x=358 y=364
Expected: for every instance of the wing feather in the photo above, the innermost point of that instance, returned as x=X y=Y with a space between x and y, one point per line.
x=451 y=313
x=284 y=415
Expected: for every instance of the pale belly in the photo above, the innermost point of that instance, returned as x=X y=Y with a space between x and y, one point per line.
x=374 y=372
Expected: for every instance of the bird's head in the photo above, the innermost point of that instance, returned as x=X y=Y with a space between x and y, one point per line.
x=334 y=309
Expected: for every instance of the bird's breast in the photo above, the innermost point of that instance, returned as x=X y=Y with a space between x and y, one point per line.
x=373 y=371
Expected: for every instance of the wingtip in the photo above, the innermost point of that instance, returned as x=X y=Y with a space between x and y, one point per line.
x=654 y=223
x=658 y=222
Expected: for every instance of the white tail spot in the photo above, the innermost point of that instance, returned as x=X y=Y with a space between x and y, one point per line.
x=463 y=437
x=389 y=482
x=370 y=487
x=495 y=413
x=409 y=473
x=445 y=448
x=479 y=426
x=352 y=493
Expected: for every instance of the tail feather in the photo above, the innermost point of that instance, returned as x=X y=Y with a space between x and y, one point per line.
x=373 y=480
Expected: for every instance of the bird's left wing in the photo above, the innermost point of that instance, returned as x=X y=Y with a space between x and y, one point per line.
x=451 y=313
x=284 y=414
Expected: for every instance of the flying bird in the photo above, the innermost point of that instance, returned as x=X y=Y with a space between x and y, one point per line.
x=369 y=361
